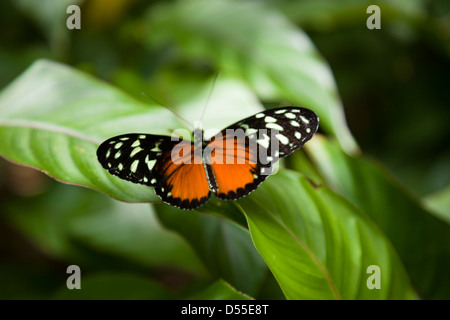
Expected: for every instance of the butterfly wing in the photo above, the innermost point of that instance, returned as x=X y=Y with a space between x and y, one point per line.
x=184 y=178
x=241 y=156
x=171 y=167
x=232 y=165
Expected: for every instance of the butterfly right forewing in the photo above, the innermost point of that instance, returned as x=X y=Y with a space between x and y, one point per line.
x=264 y=138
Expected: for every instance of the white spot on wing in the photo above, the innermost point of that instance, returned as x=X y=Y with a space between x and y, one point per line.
x=283 y=139
x=251 y=131
x=134 y=165
x=270 y=119
x=156 y=147
x=135 y=150
x=290 y=115
x=274 y=126
x=295 y=123
x=304 y=119
x=264 y=142
x=151 y=164
x=259 y=115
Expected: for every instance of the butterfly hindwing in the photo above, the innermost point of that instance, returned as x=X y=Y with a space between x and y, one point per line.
x=184 y=178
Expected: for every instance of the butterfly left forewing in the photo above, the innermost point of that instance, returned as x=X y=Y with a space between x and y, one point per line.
x=133 y=156
x=167 y=164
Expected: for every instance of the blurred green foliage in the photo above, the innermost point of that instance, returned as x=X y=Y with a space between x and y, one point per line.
x=392 y=84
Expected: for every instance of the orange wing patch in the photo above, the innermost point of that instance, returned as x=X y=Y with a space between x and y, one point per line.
x=234 y=164
x=184 y=179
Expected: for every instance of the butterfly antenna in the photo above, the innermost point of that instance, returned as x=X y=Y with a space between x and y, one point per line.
x=176 y=114
x=209 y=95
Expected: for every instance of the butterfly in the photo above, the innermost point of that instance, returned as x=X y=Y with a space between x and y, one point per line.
x=231 y=164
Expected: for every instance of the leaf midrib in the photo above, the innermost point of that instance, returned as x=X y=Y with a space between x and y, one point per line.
x=45 y=126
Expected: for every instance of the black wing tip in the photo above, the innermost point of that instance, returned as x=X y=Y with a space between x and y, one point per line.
x=312 y=116
x=184 y=204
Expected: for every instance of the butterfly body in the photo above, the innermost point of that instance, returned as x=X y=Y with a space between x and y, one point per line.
x=231 y=164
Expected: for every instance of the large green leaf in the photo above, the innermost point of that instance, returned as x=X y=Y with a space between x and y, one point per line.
x=224 y=247
x=246 y=38
x=132 y=232
x=439 y=203
x=318 y=245
x=420 y=238
x=53 y=118
x=75 y=224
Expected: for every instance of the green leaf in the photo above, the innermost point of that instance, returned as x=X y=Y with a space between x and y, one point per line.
x=53 y=118
x=224 y=247
x=114 y=286
x=75 y=224
x=219 y=290
x=318 y=245
x=439 y=203
x=420 y=238
x=260 y=45
x=132 y=232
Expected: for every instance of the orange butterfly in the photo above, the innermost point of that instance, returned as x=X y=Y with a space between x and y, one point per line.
x=231 y=165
